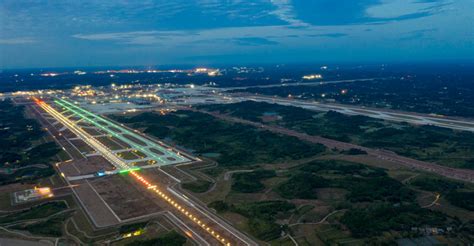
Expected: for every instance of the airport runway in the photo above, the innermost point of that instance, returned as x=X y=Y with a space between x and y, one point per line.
x=200 y=221
x=390 y=115
x=319 y=82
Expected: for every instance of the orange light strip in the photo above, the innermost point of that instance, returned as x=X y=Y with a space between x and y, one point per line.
x=180 y=208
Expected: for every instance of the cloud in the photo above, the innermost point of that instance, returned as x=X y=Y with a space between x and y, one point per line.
x=359 y=12
x=138 y=37
x=285 y=12
x=13 y=41
x=328 y=35
x=404 y=9
x=253 y=41
x=417 y=34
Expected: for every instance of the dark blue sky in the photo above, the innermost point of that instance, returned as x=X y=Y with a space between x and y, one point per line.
x=95 y=33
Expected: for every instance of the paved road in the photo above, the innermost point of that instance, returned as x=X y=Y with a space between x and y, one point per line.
x=229 y=174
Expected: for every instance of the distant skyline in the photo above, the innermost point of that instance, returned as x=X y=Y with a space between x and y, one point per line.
x=147 y=33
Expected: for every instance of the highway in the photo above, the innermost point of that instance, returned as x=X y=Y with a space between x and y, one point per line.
x=220 y=233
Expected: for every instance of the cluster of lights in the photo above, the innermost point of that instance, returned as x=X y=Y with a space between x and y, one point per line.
x=133 y=234
x=32 y=93
x=85 y=90
x=115 y=87
x=44 y=191
x=209 y=71
x=49 y=74
x=150 y=96
x=313 y=76
x=180 y=208
x=78 y=72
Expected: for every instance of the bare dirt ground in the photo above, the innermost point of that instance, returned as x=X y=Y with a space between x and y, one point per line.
x=123 y=198
x=95 y=207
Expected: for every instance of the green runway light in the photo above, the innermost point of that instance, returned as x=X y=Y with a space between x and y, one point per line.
x=129 y=170
x=92 y=118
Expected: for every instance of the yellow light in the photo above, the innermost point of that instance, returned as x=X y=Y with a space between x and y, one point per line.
x=180 y=209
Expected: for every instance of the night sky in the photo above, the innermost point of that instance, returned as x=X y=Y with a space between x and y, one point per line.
x=101 y=33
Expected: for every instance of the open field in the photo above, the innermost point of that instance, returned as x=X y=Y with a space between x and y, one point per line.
x=340 y=186
x=25 y=153
x=426 y=143
x=231 y=141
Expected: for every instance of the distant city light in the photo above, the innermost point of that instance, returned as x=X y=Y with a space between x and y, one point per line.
x=49 y=74
x=312 y=76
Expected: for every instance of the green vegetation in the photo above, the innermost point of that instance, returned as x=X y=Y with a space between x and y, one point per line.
x=264 y=210
x=436 y=184
x=341 y=167
x=454 y=192
x=301 y=186
x=333 y=235
x=51 y=227
x=169 y=239
x=17 y=151
x=378 y=218
x=261 y=215
x=365 y=184
x=264 y=229
x=43 y=152
x=205 y=134
x=376 y=207
x=132 y=227
x=376 y=189
x=219 y=206
x=198 y=186
x=36 y=212
x=250 y=182
x=428 y=143
x=354 y=151
x=462 y=199
x=16 y=133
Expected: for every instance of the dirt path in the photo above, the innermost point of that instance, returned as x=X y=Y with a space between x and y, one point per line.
x=228 y=174
x=319 y=222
